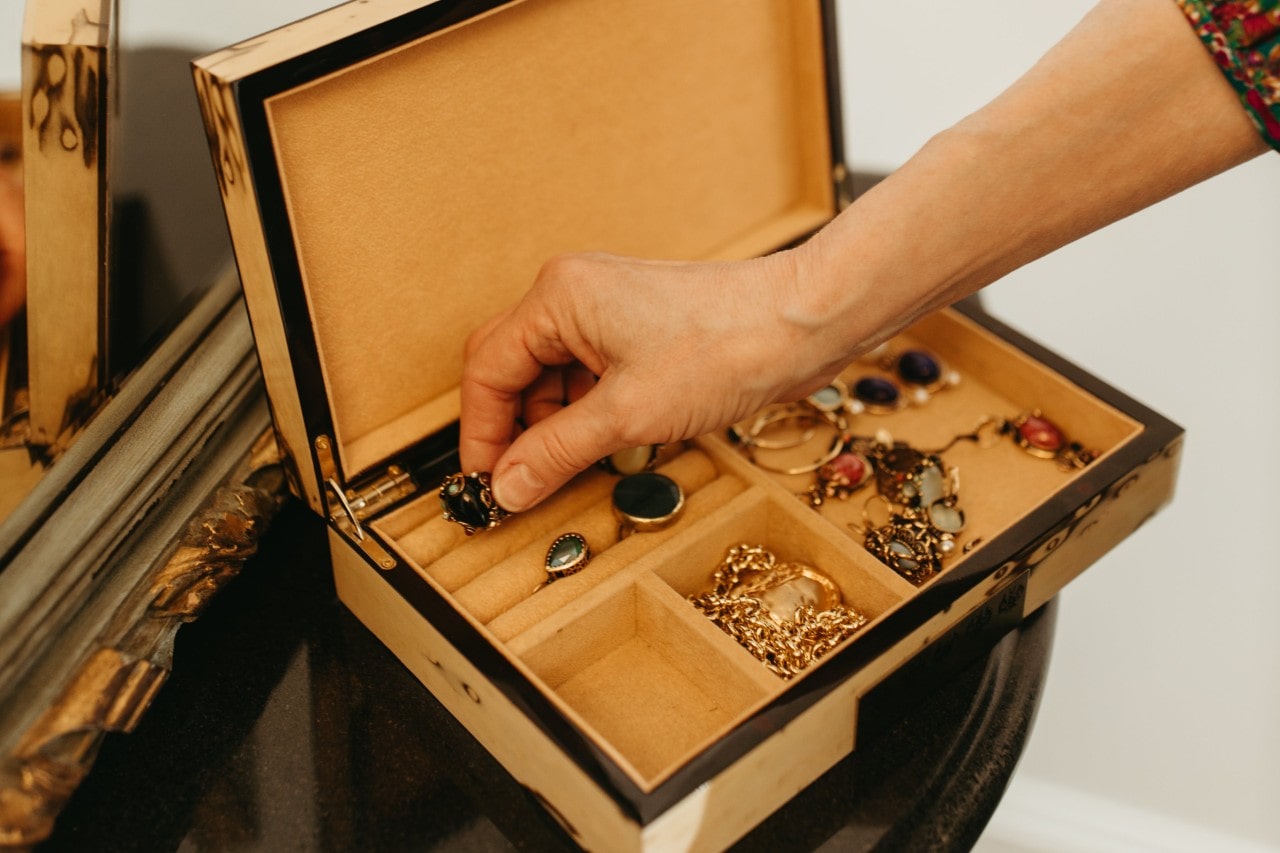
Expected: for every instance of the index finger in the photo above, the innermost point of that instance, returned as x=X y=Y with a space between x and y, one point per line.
x=488 y=406
x=500 y=365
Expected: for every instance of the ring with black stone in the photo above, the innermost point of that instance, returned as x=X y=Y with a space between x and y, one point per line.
x=467 y=500
x=568 y=555
x=646 y=502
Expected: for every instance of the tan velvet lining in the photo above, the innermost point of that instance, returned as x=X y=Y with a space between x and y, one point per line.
x=635 y=672
x=617 y=646
x=426 y=187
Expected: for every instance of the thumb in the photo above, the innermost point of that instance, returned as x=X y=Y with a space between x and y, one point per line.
x=548 y=454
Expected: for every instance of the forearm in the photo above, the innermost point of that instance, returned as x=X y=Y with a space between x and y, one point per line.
x=1127 y=110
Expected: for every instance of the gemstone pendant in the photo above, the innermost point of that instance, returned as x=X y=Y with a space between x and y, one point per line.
x=926 y=484
x=946 y=516
x=1041 y=437
x=467 y=500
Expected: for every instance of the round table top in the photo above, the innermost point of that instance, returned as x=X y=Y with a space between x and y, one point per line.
x=287 y=725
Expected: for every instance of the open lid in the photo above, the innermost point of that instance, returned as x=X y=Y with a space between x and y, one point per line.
x=68 y=94
x=394 y=173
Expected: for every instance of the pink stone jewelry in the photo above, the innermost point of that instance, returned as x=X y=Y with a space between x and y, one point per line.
x=847 y=472
x=1041 y=437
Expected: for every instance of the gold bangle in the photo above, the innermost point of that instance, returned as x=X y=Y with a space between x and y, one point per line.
x=837 y=444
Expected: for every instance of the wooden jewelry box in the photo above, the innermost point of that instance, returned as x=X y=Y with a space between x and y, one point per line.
x=394 y=172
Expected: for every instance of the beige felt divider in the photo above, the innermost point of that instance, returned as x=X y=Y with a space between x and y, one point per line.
x=464 y=564
x=567 y=598
x=658 y=682
x=453 y=559
x=511 y=581
x=420 y=530
x=636 y=671
x=422 y=534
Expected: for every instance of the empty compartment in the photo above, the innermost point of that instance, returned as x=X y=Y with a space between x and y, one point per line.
x=638 y=671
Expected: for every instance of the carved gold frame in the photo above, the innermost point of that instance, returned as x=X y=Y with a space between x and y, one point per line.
x=187 y=476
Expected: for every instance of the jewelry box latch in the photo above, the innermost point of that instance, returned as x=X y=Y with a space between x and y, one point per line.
x=348 y=507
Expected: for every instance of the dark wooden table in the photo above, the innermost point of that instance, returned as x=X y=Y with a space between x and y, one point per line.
x=287 y=726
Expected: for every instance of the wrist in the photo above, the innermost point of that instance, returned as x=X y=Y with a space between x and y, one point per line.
x=833 y=305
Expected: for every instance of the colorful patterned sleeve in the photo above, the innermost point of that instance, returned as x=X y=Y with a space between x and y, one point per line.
x=1244 y=38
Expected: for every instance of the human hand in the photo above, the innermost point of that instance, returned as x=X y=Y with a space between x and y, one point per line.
x=679 y=349
x=13 y=251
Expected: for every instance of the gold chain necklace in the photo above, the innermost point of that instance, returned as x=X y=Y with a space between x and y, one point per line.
x=786 y=615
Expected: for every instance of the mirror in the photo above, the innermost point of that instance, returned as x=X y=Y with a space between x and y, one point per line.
x=166 y=240
x=159 y=472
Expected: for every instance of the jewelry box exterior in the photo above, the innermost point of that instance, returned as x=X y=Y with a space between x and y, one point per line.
x=714 y=798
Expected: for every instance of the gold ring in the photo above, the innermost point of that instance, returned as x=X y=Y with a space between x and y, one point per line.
x=646 y=502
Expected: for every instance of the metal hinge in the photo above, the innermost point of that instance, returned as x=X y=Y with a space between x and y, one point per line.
x=347 y=508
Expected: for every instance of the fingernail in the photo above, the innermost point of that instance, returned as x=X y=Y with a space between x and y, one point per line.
x=518 y=488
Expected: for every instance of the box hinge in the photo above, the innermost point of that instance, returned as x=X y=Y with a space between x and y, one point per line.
x=347 y=508
x=843 y=183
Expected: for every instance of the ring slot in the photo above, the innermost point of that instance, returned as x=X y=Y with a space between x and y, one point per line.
x=525 y=612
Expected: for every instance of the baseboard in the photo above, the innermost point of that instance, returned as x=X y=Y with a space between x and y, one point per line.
x=1037 y=816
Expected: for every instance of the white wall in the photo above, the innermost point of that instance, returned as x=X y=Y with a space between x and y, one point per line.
x=1159 y=728
x=1164 y=692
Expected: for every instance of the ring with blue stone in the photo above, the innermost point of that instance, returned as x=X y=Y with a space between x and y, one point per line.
x=924 y=373
x=568 y=555
x=876 y=395
x=467 y=500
